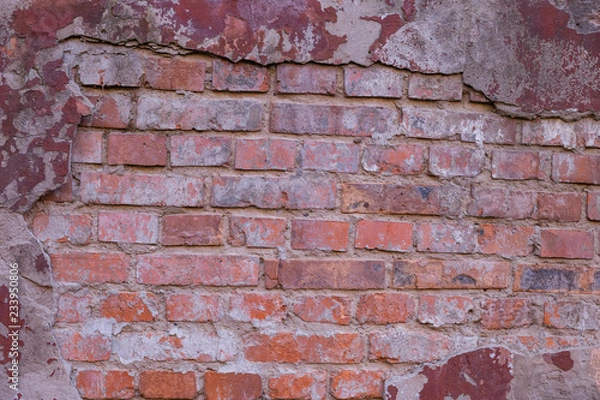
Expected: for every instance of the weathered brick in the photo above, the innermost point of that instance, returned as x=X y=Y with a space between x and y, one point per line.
x=311 y=385
x=505 y=240
x=325 y=309
x=320 y=235
x=549 y=277
x=141 y=189
x=361 y=384
x=593 y=206
x=376 y=198
x=519 y=164
x=397 y=346
x=506 y=313
x=194 y=307
x=110 y=70
x=551 y=132
x=563 y=206
x=90 y=267
x=111 y=384
x=239 y=77
x=87 y=147
x=137 y=149
x=435 y=87
x=174 y=73
x=449 y=162
x=111 y=110
x=192 y=230
x=404 y=159
x=87 y=347
x=130 y=307
x=127 y=227
x=315 y=79
x=200 y=151
x=191 y=269
x=446 y=237
x=566 y=243
x=74 y=307
x=375 y=81
x=477 y=97
x=331 y=274
x=265 y=154
x=168 y=385
x=579 y=315
x=271 y=270
x=576 y=168
x=429 y=123
x=501 y=203
x=439 y=274
x=262 y=192
x=384 y=235
x=73 y=228
x=332 y=120
x=250 y=307
x=384 y=308
x=257 y=232
x=287 y=347
x=444 y=310
x=172 y=112
x=333 y=157
x=225 y=386
x=63 y=194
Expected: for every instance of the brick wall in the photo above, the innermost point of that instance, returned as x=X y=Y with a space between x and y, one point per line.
x=234 y=231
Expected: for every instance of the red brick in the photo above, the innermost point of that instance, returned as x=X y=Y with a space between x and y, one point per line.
x=159 y=111
x=265 y=154
x=384 y=235
x=108 y=70
x=375 y=81
x=138 y=189
x=87 y=147
x=315 y=79
x=446 y=237
x=576 y=168
x=325 y=309
x=271 y=193
x=130 y=307
x=226 y=386
x=550 y=278
x=558 y=206
x=194 y=307
x=552 y=132
x=572 y=315
x=384 y=308
x=375 y=198
x=444 y=310
x=566 y=243
x=505 y=240
x=271 y=270
x=239 y=77
x=320 y=235
x=174 y=73
x=137 y=149
x=287 y=347
x=333 y=157
x=332 y=120
x=127 y=227
x=439 y=274
x=111 y=384
x=74 y=307
x=191 y=269
x=250 y=307
x=257 y=232
x=192 y=230
x=449 y=162
x=519 y=165
x=501 y=203
x=435 y=87
x=311 y=385
x=404 y=159
x=362 y=384
x=110 y=111
x=73 y=228
x=506 y=313
x=89 y=267
x=593 y=206
x=331 y=274
x=168 y=385
x=429 y=123
x=200 y=151
x=77 y=347
x=397 y=346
